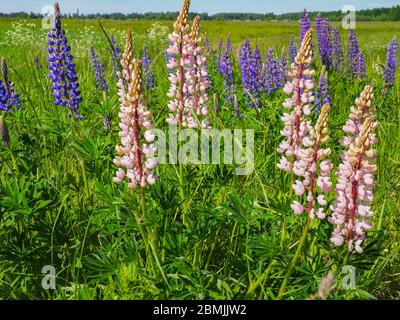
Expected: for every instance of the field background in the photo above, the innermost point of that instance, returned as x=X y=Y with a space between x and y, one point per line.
x=59 y=206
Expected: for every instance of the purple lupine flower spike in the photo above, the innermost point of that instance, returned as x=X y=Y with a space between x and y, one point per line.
x=258 y=66
x=361 y=68
x=99 y=74
x=244 y=61
x=337 y=50
x=322 y=95
x=251 y=68
x=227 y=73
x=148 y=71
x=292 y=50
x=229 y=43
x=115 y=57
x=391 y=63
x=9 y=99
x=353 y=54
x=62 y=69
x=305 y=24
x=323 y=29
x=207 y=44
x=283 y=68
x=273 y=74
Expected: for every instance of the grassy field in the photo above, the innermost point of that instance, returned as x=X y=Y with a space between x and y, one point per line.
x=60 y=207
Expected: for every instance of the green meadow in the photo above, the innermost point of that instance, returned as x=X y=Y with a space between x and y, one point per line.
x=59 y=205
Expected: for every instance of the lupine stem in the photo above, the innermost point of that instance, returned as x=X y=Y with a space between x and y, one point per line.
x=295 y=258
x=262 y=278
x=139 y=220
x=151 y=240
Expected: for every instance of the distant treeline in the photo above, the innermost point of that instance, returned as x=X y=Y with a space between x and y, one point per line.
x=378 y=14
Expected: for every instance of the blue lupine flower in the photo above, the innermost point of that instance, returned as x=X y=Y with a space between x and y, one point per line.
x=9 y=99
x=337 y=50
x=305 y=24
x=283 y=67
x=323 y=29
x=62 y=69
x=292 y=50
x=99 y=74
x=226 y=71
x=252 y=80
x=207 y=44
x=148 y=71
x=115 y=57
x=274 y=71
x=353 y=54
x=391 y=63
x=322 y=95
x=361 y=68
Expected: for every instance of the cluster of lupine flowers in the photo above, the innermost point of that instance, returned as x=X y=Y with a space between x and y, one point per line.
x=136 y=153
x=337 y=55
x=355 y=58
x=354 y=190
x=391 y=63
x=99 y=73
x=322 y=95
x=115 y=57
x=304 y=157
x=303 y=153
x=323 y=31
x=148 y=70
x=62 y=68
x=226 y=70
x=305 y=25
x=189 y=76
x=258 y=77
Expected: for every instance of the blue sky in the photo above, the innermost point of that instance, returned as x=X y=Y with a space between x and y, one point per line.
x=210 y=6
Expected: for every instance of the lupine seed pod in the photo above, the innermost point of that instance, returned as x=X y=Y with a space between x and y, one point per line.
x=354 y=189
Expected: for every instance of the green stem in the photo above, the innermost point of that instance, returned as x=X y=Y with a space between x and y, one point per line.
x=14 y=161
x=261 y=279
x=151 y=240
x=139 y=221
x=295 y=258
